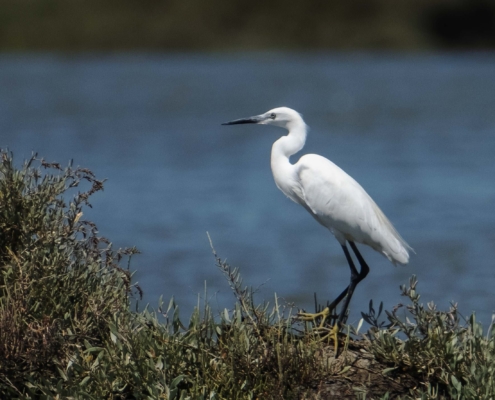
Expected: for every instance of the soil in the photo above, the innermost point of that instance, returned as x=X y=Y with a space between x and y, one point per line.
x=361 y=375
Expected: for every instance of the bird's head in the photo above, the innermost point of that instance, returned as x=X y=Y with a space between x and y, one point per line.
x=282 y=116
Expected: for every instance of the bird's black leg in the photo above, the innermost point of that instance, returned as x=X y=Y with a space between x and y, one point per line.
x=350 y=289
x=356 y=277
x=364 y=267
x=338 y=299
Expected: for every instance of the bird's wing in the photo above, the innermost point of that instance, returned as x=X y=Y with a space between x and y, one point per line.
x=343 y=206
x=331 y=194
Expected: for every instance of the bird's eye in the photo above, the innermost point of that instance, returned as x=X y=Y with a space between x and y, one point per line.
x=273 y=116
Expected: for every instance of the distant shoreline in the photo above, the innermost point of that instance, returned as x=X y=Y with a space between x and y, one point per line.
x=92 y=25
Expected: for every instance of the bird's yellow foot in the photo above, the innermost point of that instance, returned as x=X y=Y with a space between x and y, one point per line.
x=324 y=314
x=334 y=334
x=328 y=333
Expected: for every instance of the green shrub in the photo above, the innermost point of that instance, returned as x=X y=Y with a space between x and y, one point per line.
x=60 y=283
x=67 y=331
x=451 y=359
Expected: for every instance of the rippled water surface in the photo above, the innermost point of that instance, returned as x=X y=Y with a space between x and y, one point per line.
x=418 y=133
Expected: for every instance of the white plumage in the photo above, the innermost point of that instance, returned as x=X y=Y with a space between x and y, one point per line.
x=340 y=204
x=331 y=196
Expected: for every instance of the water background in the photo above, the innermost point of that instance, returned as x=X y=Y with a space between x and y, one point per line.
x=417 y=131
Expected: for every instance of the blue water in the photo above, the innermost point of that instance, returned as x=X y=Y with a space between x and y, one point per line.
x=417 y=131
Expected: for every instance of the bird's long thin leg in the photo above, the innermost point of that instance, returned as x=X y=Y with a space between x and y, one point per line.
x=362 y=274
x=326 y=312
x=338 y=299
x=355 y=277
x=364 y=267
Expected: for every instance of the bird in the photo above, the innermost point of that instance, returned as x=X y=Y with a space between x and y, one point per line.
x=334 y=199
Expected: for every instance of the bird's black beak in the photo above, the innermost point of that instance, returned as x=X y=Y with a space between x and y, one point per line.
x=250 y=120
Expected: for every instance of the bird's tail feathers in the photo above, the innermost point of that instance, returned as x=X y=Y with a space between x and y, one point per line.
x=398 y=254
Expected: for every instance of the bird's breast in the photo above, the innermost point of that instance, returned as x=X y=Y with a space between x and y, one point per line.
x=287 y=181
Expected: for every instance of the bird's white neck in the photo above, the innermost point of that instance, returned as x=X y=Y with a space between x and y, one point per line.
x=284 y=172
x=288 y=145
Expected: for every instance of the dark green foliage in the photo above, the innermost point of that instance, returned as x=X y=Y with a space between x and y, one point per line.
x=60 y=282
x=67 y=331
x=66 y=328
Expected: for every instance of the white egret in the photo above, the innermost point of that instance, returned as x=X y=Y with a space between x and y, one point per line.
x=333 y=198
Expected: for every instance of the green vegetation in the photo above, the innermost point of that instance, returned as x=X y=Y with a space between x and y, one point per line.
x=67 y=329
x=75 y=25
x=450 y=357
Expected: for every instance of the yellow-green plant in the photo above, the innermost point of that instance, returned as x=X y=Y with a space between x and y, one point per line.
x=453 y=359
